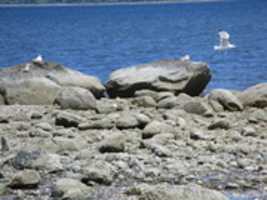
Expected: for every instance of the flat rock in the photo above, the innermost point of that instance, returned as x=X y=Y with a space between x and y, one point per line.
x=144 y=101
x=100 y=172
x=156 y=127
x=25 y=179
x=71 y=189
x=67 y=119
x=175 y=76
x=184 y=192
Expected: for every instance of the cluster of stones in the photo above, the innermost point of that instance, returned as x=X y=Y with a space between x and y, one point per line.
x=154 y=138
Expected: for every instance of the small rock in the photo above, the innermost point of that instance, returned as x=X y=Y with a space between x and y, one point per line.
x=48 y=162
x=99 y=172
x=40 y=133
x=198 y=135
x=249 y=131
x=36 y=115
x=142 y=119
x=4 y=144
x=98 y=124
x=157 y=149
x=168 y=103
x=68 y=119
x=26 y=179
x=69 y=144
x=106 y=106
x=144 y=101
x=127 y=121
x=156 y=127
x=71 y=189
x=219 y=124
x=198 y=107
x=114 y=143
x=25 y=159
x=44 y=126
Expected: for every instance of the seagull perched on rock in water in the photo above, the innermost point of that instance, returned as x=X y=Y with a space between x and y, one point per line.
x=38 y=60
x=224 y=42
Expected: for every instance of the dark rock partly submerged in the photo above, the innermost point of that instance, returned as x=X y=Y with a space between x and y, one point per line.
x=39 y=84
x=176 y=76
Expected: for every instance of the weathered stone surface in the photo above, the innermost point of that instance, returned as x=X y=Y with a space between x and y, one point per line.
x=144 y=101
x=188 y=192
x=40 y=83
x=255 y=96
x=168 y=102
x=114 y=143
x=71 y=189
x=127 y=120
x=156 y=127
x=68 y=77
x=75 y=98
x=226 y=98
x=25 y=159
x=68 y=119
x=99 y=172
x=171 y=75
x=25 y=179
x=105 y=123
x=32 y=91
x=199 y=107
x=219 y=124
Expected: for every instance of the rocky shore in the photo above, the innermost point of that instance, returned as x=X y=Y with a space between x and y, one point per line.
x=148 y=134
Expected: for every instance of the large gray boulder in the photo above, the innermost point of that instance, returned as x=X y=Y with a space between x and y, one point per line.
x=38 y=84
x=30 y=91
x=175 y=76
x=76 y=98
x=255 y=96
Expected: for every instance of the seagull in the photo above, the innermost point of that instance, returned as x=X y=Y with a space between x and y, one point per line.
x=38 y=60
x=224 y=42
x=185 y=58
x=27 y=67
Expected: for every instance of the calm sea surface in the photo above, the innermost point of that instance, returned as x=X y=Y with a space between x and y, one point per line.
x=99 y=39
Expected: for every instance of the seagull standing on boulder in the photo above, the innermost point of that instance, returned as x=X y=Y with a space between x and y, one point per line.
x=38 y=60
x=185 y=58
x=224 y=42
x=27 y=67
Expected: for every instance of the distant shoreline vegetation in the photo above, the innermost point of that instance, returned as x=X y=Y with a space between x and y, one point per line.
x=77 y=2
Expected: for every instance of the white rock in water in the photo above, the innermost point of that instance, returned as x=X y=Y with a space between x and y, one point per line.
x=38 y=60
x=224 y=42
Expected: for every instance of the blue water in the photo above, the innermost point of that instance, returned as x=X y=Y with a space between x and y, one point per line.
x=99 y=39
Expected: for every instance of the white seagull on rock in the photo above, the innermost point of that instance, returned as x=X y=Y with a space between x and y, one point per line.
x=224 y=42
x=27 y=67
x=38 y=60
x=185 y=58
